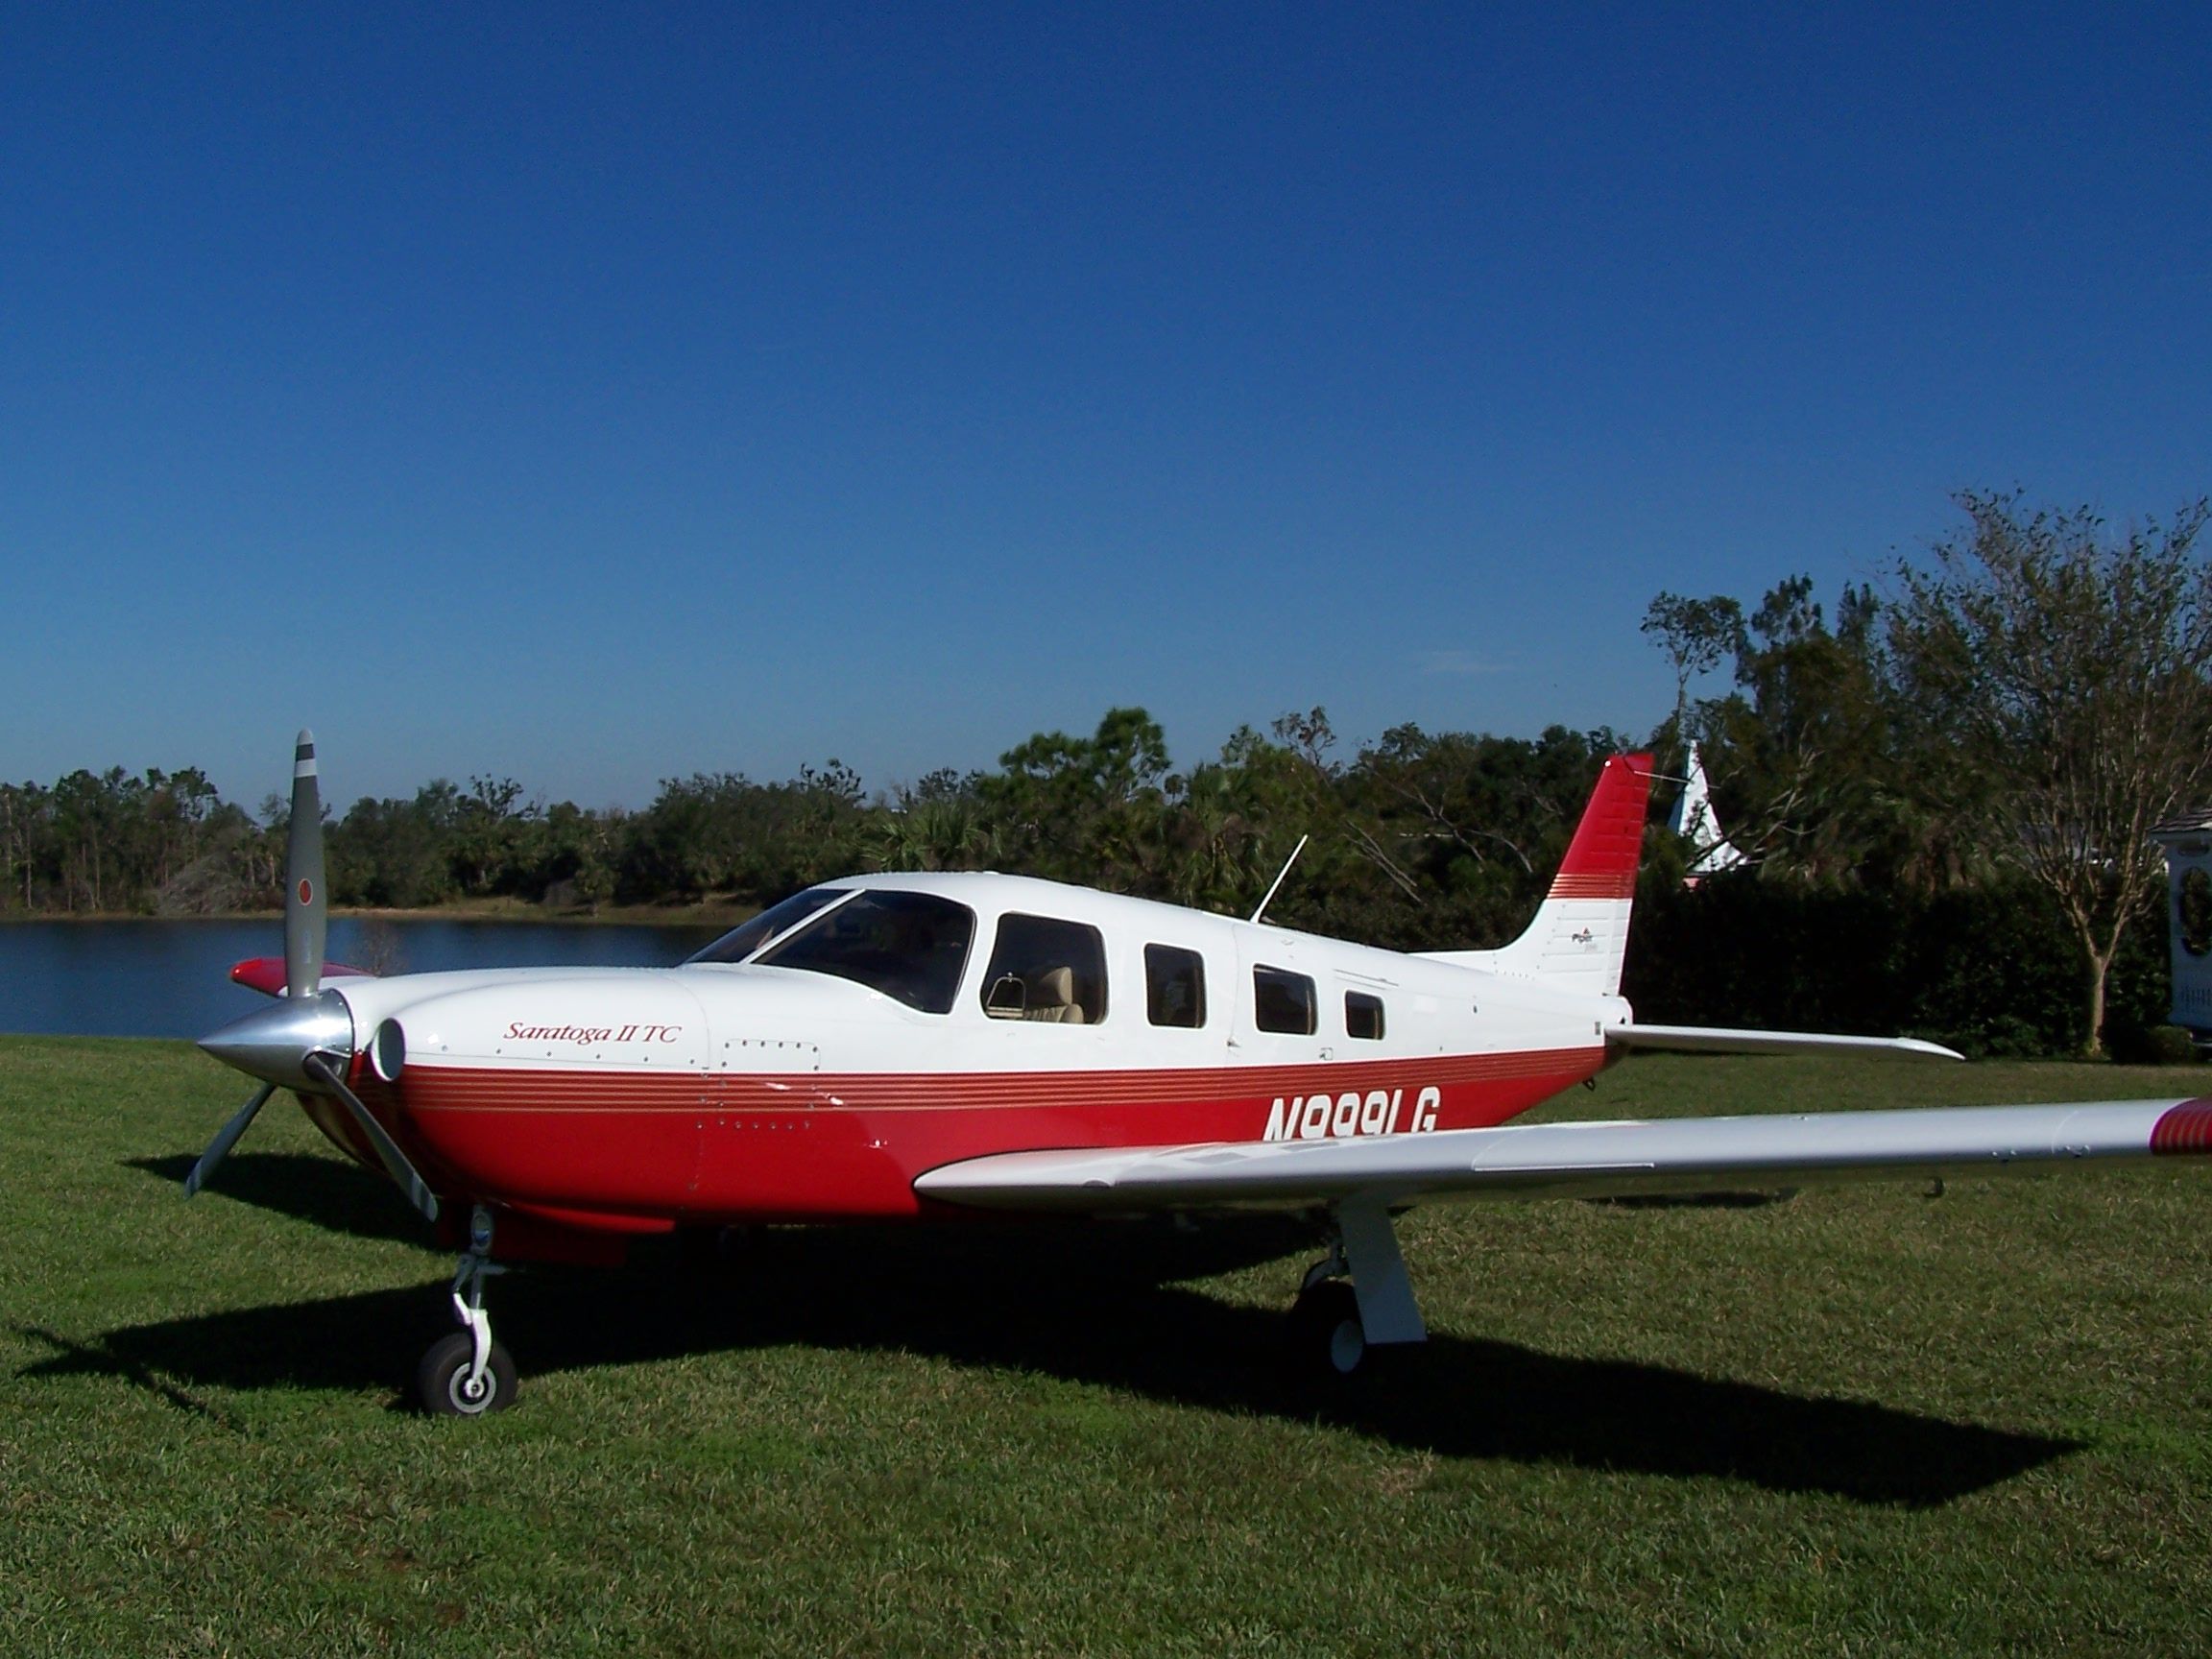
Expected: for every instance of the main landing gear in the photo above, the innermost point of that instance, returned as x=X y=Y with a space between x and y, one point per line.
x=465 y=1374
x=1355 y=1297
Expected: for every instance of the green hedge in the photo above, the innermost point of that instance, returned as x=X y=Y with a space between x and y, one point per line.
x=1991 y=972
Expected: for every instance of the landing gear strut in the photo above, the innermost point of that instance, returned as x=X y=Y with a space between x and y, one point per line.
x=465 y=1374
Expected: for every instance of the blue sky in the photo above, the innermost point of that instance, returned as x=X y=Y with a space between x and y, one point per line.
x=596 y=395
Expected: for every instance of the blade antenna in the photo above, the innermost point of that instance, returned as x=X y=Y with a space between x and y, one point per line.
x=1279 y=874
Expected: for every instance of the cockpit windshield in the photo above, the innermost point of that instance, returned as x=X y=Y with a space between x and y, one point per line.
x=911 y=946
x=747 y=937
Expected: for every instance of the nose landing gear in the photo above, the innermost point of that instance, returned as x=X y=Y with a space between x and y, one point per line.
x=465 y=1374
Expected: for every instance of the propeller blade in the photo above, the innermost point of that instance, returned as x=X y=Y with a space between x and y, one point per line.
x=418 y=1190
x=306 y=913
x=225 y=1138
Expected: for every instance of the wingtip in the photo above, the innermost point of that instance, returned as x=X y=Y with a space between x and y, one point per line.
x=1933 y=1051
x=2183 y=1128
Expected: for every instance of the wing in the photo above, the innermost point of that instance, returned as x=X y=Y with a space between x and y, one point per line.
x=1685 y=1154
x=1719 y=1040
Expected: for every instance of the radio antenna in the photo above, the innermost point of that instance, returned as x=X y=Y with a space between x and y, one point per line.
x=1285 y=871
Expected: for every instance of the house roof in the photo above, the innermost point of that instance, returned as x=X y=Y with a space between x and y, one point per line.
x=2196 y=821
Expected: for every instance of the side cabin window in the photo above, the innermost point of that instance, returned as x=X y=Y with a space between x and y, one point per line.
x=1174 y=986
x=1046 y=970
x=1282 y=1002
x=910 y=945
x=1362 y=1016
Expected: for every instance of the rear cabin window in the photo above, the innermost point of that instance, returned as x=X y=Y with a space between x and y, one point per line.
x=1282 y=1002
x=1362 y=1016
x=1046 y=971
x=1174 y=986
x=909 y=946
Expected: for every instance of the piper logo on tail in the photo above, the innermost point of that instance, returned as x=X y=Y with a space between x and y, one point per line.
x=1327 y=1116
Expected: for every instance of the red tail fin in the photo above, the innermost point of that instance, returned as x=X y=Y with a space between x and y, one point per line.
x=1601 y=859
x=1579 y=937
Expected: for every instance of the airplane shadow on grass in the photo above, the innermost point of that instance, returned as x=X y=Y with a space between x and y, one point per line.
x=1094 y=1303
x=335 y=1195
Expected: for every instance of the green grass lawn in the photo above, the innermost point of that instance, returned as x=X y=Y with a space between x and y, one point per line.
x=1865 y=1420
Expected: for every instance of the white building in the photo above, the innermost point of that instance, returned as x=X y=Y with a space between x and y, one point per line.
x=1693 y=820
x=2188 y=843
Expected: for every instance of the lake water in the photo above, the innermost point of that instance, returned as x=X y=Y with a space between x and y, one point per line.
x=173 y=978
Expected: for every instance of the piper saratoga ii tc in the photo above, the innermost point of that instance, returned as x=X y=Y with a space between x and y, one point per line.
x=930 y=1046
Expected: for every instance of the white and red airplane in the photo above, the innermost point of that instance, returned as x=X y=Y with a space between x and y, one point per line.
x=928 y=1046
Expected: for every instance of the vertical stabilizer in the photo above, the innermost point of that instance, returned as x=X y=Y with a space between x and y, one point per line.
x=1579 y=937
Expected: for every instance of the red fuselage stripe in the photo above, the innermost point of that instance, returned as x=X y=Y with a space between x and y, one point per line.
x=732 y=1146
x=431 y=1089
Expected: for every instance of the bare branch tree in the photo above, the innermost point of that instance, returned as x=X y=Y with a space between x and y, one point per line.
x=1698 y=636
x=2058 y=680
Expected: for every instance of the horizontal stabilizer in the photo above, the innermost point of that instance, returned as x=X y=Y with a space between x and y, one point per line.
x=1719 y=1040
x=1582 y=1160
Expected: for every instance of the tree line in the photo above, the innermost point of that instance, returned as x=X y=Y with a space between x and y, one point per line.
x=1417 y=839
x=1942 y=789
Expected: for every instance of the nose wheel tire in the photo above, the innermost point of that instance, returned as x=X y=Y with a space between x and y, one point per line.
x=442 y=1386
x=1325 y=1332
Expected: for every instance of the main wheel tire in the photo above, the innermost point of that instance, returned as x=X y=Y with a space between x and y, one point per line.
x=1325 y=1332
x=442 y=1380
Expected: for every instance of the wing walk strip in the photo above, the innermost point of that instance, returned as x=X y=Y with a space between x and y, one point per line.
x=1582 y=1159
x=473 y=1089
